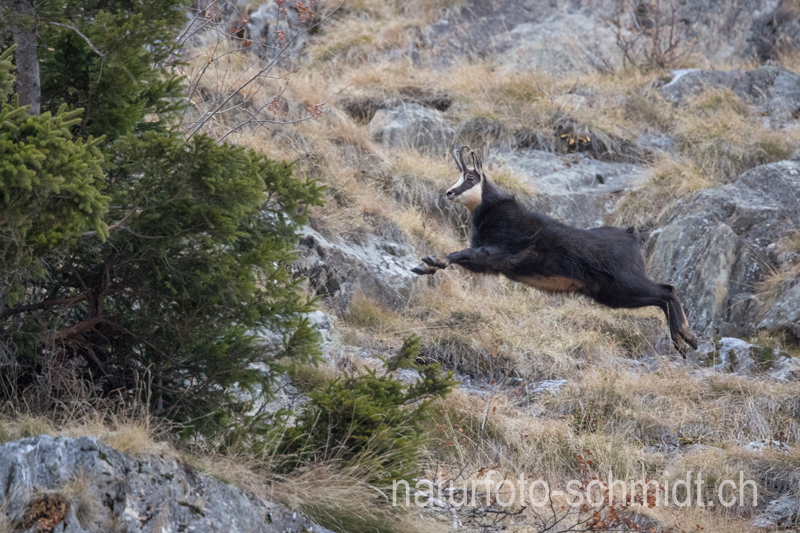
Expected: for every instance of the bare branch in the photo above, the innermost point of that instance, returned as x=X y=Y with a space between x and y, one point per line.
x=85 y=38
x=44 y=304
x=279 y=57
x=73 y=330
x=114 y=227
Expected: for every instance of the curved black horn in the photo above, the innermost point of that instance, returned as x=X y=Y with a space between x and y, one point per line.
x=461 y=157
x=458 y=163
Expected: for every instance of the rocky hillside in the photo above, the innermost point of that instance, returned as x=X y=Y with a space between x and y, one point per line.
x=681 y=119
x=682 y=122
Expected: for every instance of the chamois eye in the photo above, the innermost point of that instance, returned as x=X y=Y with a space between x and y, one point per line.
x=470 y=178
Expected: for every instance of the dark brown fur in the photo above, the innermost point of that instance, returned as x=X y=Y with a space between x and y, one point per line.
x=606 y=264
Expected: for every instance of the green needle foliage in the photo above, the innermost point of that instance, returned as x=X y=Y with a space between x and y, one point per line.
x=131 y=255
x=370 y=417
x=50 y=185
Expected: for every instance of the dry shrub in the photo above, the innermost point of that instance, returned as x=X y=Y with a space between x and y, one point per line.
x=769 y=288
x=85 y=502
x=339 y=498
x=721 y=135
x=419 y=182
x=122 y=422
x=306 y=378
x=649 y=35
x=671 y=178
x=364 y=312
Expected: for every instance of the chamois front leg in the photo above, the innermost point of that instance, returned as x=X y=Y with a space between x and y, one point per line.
x=474 y=259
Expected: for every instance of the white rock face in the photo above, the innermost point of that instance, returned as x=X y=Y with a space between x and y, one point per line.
x=785 y=369
x=550 y=386
x=763 y=444
x=378 y=266
x=152 y=495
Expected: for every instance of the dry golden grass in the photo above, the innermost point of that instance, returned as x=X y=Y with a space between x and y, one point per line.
x=671 y=178
x=724 y=137
x=609 y=412
x=132 y=433
x=471 y=322
x=85 y=502
x=338 y=497
x=491 y=325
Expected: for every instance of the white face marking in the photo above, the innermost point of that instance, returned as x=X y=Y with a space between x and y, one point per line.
x=471 y=198
x=459 y=182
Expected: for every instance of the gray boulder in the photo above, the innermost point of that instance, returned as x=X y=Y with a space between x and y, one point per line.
x=776 y=31
x=783 y=513
x=785 y=369
x=82 y=486
x=715 y=245
x=576 y=189
x=771 y=90
x=412 y=126
x=728 y=355
x=551 y=45
x=784 y=315
x=375 y=264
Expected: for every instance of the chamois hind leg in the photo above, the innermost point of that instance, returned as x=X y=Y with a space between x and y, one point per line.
x=677 y=320
x=644 y=292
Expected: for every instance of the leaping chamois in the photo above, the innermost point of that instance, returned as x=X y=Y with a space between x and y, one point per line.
x=606 y=264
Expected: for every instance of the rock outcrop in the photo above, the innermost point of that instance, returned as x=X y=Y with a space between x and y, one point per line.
x=374 y=264
x=82 y=486
x=781 y=514
x=576 y=189
x=412 y=126
x=557 y=36
x=784 y=315
x=773 y=91
x=776 y=32
x=715 y=245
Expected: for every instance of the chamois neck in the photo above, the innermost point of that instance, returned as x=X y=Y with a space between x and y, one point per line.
x=490 y=197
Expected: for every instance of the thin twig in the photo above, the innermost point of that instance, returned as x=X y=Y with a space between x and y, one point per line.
x=85 y=38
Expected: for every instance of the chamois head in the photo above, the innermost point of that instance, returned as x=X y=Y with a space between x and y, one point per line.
x=468 y=190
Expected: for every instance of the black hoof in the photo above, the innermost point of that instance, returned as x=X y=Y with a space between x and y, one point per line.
x=690 y=338
x=423 y=270
x=434 y=262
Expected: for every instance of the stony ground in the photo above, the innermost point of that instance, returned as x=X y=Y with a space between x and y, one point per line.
x=681 y=123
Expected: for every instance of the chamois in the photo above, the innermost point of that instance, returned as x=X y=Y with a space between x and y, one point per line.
x=606 y=264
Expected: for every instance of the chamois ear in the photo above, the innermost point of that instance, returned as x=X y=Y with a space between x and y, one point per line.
x=476 y=163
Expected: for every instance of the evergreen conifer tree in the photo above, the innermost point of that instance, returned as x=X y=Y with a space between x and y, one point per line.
x=130 y=254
